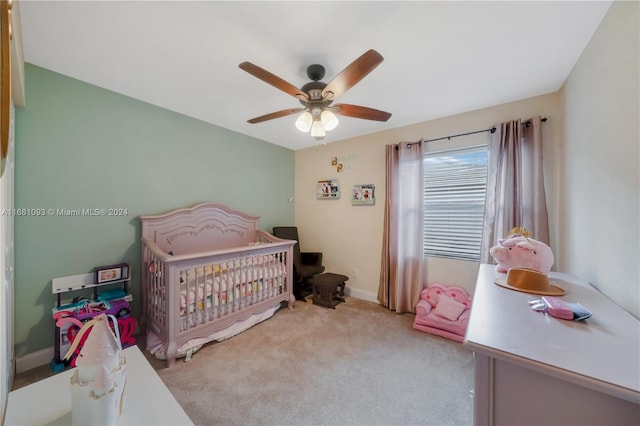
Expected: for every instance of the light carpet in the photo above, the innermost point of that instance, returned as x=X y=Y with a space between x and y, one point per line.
x=358 y=364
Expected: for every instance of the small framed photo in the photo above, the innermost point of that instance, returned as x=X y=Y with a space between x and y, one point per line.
x=363 y=194
x=327 y=189
x=107 y=274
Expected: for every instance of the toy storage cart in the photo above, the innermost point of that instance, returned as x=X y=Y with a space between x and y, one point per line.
x=91 y=299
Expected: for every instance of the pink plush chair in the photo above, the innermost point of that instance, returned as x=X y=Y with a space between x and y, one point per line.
x=443 y=310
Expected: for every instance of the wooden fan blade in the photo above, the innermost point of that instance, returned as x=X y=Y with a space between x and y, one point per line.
x=276 y=114
x=360 y=112
x=352 y=74
x=273 y=80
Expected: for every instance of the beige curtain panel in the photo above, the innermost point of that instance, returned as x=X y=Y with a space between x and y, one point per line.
x=401 y=272
x=515 y=184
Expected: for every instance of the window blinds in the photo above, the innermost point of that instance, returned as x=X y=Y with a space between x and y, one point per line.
x=455 y=184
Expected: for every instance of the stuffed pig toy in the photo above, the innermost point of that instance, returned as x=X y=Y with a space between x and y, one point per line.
x=520 y=251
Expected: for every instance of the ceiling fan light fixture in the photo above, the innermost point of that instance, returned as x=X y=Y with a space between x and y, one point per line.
x=329 y=120
x=303 y=123
x=317 y=130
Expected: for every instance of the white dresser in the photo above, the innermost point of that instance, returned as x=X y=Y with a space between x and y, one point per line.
x=147 y=400
x=534 y=369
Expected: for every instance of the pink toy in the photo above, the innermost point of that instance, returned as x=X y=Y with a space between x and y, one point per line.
x=518 y=250
x=443 y=310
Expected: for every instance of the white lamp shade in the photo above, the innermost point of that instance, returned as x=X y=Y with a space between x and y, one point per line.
x=317 y=130
x=329 y=120
x=303 y=123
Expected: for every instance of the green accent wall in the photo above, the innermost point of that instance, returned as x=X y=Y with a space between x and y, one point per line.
x=82 y=147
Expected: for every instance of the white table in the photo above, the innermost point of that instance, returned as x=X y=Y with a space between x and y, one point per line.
x=147 y=399
x=531 y=368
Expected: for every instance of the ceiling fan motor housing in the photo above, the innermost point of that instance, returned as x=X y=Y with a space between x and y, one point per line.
x=314 y=90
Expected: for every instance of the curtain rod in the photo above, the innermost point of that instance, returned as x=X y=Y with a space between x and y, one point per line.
x=492 y=130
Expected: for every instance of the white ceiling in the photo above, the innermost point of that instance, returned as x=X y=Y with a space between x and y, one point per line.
x=441 y=58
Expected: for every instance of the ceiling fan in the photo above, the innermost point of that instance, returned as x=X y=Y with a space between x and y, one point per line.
x=318 y=111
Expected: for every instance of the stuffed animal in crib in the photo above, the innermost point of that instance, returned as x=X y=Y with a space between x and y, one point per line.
x=519 y=250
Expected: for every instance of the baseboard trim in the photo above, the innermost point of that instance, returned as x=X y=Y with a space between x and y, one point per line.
x=361 y=294
x=34 y=359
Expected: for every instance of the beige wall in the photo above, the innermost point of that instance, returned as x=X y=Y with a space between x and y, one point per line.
x=600 y=213
x=351 y=236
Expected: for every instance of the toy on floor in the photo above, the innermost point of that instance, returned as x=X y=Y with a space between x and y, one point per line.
x=69 y=323
x=519 y=250
x=443 y=310
x=110 y=298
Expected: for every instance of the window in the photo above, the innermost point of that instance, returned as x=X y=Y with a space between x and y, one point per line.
x=455 y=183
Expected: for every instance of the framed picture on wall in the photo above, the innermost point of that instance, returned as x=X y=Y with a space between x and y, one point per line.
x=327 y=189
x=105 y=274
x=364 y=194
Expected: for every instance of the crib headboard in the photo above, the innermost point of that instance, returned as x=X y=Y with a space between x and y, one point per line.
x=204 y=227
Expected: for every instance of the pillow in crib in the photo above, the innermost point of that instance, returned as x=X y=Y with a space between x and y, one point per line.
x=449 y=308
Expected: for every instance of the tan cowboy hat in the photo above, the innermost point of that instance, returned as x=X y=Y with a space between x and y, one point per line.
x=529 y=281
